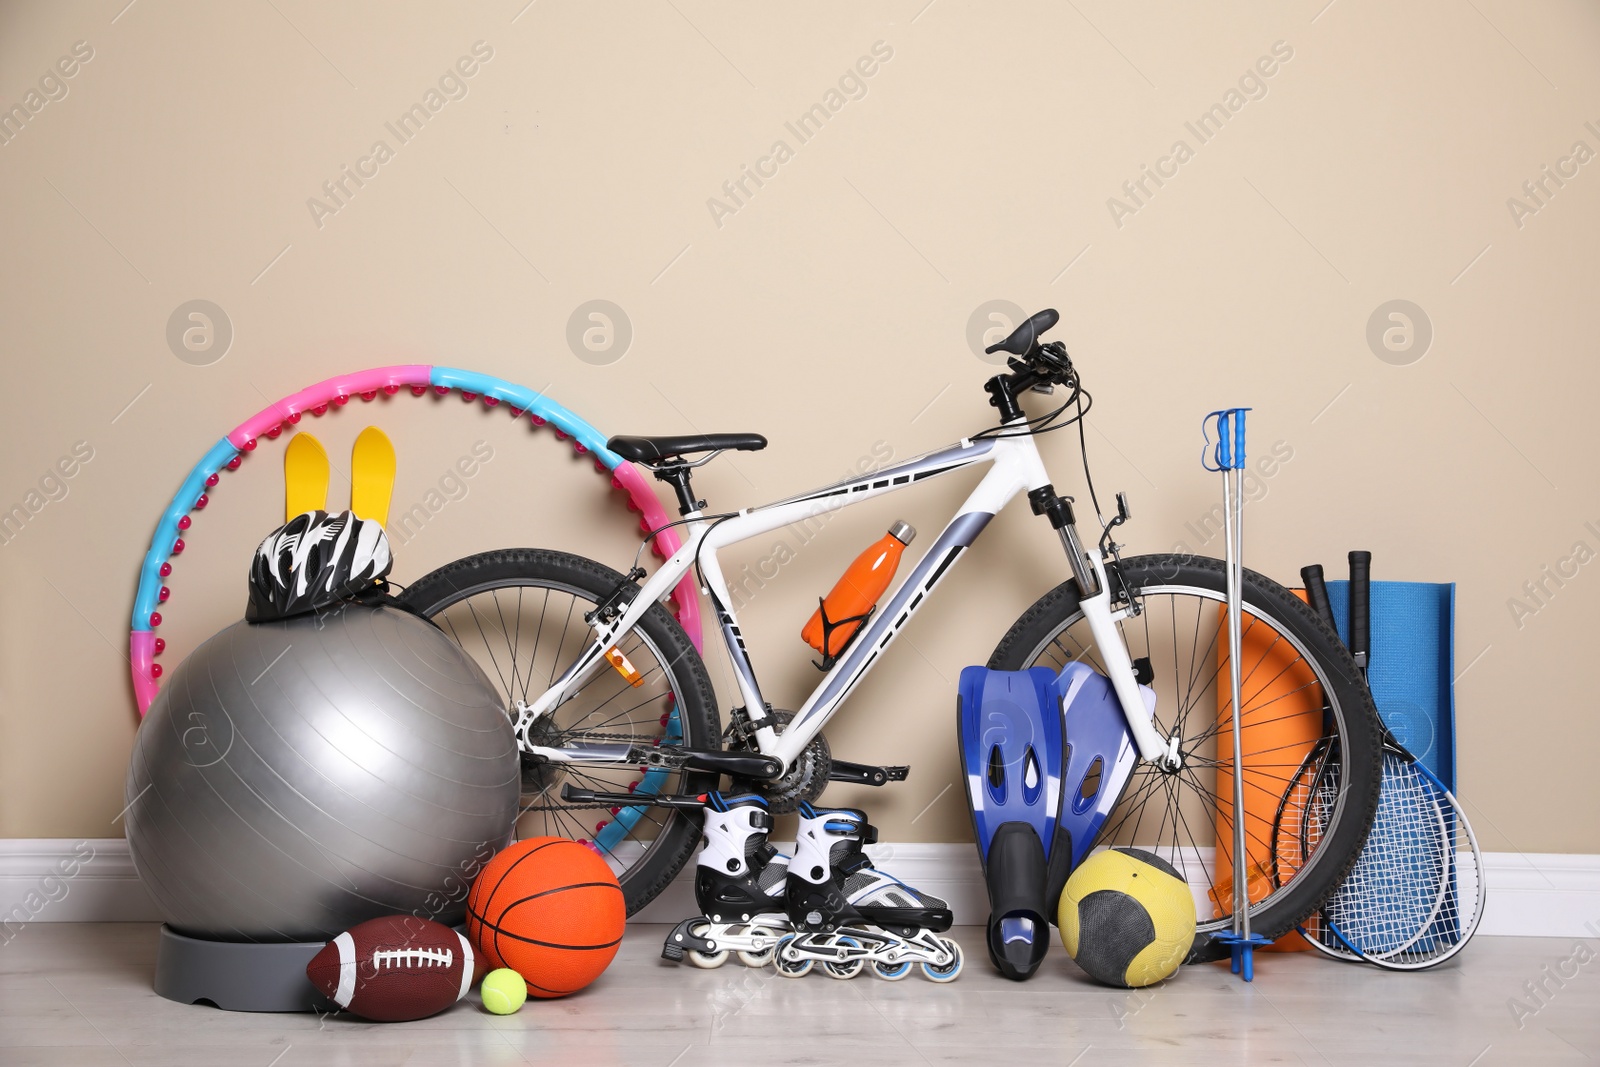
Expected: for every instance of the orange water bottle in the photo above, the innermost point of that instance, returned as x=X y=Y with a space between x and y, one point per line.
x=856 y=592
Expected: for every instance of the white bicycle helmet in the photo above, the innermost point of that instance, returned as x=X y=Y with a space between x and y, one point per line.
x=313 y=561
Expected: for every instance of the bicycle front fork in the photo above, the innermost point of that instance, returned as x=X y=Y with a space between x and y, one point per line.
x=1094 y=599
x=1045 y=501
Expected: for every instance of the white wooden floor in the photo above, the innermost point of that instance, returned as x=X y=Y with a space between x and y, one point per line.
x=80 y=994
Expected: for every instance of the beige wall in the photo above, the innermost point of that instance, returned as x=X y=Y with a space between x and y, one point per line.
x=828 y=312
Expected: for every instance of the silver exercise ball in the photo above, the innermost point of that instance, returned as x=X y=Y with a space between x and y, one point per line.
x=295 y=778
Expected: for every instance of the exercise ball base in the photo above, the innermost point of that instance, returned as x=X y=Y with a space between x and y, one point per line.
x=237 y=975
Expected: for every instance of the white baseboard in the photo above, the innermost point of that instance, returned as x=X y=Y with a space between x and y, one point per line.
x=1542 y=894
x=69 y=880
x=66 y=880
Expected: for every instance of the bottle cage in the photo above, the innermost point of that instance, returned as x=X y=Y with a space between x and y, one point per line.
x=830 y=625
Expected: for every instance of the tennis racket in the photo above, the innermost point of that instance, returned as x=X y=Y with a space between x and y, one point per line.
x=1416 y=893
x=1314 y=787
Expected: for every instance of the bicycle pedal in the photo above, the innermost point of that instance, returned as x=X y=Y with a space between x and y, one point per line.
x=865 y=773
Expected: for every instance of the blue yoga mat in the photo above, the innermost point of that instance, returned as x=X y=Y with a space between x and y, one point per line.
x=1411 y=668
x=1412 y=665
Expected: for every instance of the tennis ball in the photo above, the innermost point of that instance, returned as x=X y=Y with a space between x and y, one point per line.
x=503 y=991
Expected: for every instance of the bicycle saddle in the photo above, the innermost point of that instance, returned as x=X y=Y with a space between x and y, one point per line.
x=1024 y=337
x=660 y=449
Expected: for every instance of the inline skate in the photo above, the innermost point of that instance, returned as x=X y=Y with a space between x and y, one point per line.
x=738 y=886
x=846 y=914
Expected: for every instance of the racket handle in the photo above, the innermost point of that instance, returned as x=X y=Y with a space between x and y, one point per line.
x=1360 y=607
x=1317 y=594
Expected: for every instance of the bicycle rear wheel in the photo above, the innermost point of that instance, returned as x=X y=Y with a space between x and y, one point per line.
x=520 y=614
x=1301 y=694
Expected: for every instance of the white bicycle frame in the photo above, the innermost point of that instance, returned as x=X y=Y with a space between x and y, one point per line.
x=1016 y=467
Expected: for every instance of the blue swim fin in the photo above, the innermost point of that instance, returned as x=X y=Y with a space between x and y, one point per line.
x=1100 y=758
x=1011 y=740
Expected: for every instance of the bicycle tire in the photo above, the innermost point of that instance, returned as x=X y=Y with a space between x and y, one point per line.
x=687 y=682
x=1350 y=704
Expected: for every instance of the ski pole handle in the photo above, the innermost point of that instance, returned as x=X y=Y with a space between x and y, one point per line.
x=1360 y=607
x=1228 y=452
x=1317 y=594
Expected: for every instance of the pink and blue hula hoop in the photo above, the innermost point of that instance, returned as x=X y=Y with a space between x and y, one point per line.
x=227 y=454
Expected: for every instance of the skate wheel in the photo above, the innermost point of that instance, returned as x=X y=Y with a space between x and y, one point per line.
x=891 y=972
x=849 y=968
x=707 y=961
x=789 y=968
x=950 y=971
x=762 y=956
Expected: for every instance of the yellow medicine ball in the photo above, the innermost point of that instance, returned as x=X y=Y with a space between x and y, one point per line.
x=1127 y=917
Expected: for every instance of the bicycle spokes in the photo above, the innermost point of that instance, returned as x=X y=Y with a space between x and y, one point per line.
x=524 y=638
x=1289 y=755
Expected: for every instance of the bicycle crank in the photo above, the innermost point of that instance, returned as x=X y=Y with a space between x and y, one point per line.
x=807 y=776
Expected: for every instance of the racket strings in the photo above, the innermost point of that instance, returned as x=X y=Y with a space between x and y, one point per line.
x=1399 y=882
x=1304 y=811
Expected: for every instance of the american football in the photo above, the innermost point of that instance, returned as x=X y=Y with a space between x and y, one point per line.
x=394 y=969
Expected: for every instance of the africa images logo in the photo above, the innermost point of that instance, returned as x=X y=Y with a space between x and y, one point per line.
x=452 y=85
x=852 y=85
x=53 y=87
x=1252 y=85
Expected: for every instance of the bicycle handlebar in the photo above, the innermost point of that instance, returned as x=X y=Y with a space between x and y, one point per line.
x=1031 y=364
x=1025 y=338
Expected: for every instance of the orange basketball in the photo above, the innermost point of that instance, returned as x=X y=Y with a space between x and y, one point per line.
x=551 y=910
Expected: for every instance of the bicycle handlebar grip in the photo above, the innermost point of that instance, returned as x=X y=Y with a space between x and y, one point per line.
x=1317 y=594
x=1360 y=606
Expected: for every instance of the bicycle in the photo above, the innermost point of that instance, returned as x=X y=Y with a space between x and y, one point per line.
x=613 y=705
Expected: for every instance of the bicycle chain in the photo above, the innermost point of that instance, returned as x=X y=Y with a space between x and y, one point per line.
x=587 y=736
x=563 y=806
x=571 y=807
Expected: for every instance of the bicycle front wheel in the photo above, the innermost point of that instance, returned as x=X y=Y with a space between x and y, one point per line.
x=520 y=614
x=1303 y=702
